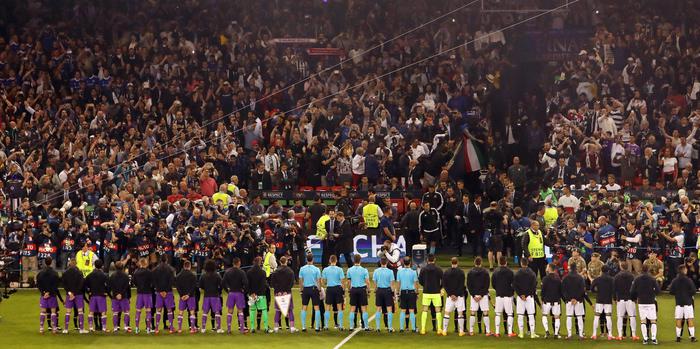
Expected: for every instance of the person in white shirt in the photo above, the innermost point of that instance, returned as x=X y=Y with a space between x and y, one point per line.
x=570 y=202
x=683 y=152
x=612 y=186
x=617 y=150
x=358 y=165
x=549 y=157
x=607 y=124
x=392 y=253
x=417 y=150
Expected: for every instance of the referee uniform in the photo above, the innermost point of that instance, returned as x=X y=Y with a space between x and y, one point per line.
x=407 y=278
x=333 y=276
x=310 y=276
x=383 y=278
x=359 y=278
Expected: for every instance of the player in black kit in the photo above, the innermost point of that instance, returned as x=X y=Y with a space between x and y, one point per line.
x=683 y=288
x=551 y=298
x=604 y=286
x=622 y=283
x=502 y=281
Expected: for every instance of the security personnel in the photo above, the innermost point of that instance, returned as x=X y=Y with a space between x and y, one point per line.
x=85 y=260
x=371 y=213
x=434 y=198
x=322 y=226
x=533 y=248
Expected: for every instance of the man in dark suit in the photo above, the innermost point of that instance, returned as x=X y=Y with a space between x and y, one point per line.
x=576 y=175
x=475 y=226
x=331 y=226
x=561 y=171
x=260 y=179
x=285 y=179
x=343 y=235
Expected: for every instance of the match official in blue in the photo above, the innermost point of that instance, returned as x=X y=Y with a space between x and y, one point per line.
x=408 y=283
x=384 y=283
x=332 y=279
x=358 y=277
x=310 y=280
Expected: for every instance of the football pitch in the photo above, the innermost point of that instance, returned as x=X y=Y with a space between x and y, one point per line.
x=20 y=324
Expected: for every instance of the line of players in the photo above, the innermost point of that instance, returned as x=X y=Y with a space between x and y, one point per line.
x=332 y=284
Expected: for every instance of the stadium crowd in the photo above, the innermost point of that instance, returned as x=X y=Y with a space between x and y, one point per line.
x=136 y=138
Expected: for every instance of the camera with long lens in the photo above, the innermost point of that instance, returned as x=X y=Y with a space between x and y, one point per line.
x=5 y=267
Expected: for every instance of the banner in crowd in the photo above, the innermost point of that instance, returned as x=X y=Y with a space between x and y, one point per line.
x=329 y=194
x=293 y=41
x=325 y=51
x=649 y=195
x=367 y=246
x=554 y=45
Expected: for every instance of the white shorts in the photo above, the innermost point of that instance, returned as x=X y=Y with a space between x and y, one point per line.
x=574 y=310
x=625 y=307
x=504 y=304
x=684 y=312
x=551 y=309
x=451 y=305
x=603 y=308
x=647 y=312
x=482 y=304
x=527 y=305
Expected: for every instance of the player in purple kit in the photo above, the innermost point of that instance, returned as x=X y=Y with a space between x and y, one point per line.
x=96 y=287
x=143 y=280
x=73 y=283
x=46 y=282
x=210 y=282
x=120 y=292
x=235 y=283
x=163 y=282
x=186 y=283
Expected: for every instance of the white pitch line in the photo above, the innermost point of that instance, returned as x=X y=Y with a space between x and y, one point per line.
x=354 y=332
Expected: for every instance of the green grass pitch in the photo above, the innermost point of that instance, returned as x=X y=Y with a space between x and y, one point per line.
x=19 y=327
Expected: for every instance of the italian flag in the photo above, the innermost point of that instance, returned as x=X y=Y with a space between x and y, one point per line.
x=474 y=160
x=467 y=156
